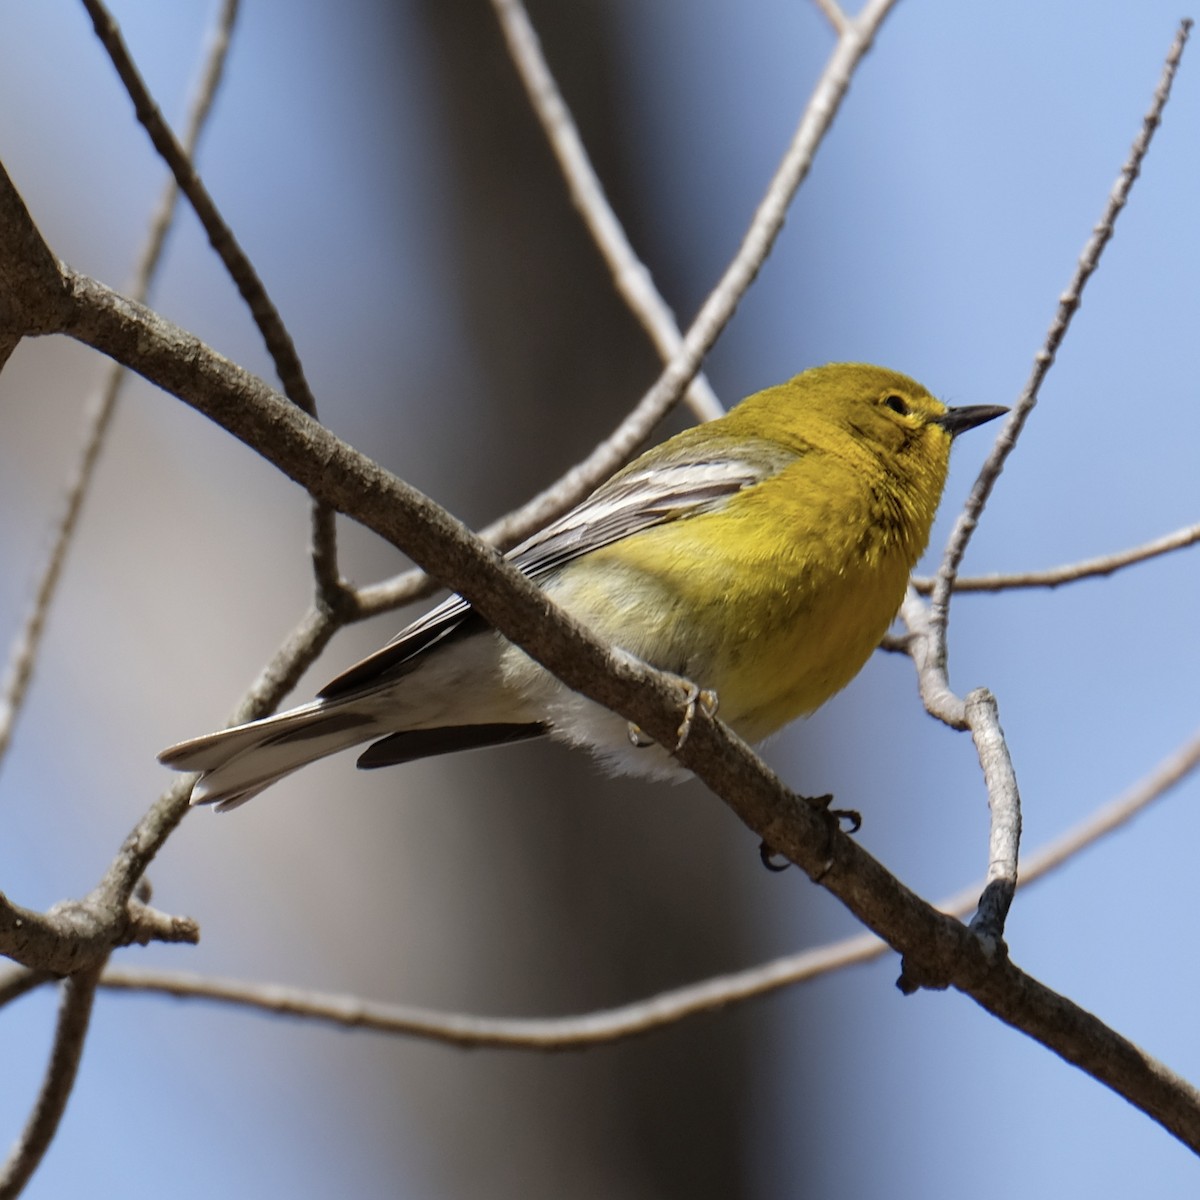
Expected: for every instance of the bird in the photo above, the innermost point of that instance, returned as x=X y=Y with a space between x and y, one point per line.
x=760 y=557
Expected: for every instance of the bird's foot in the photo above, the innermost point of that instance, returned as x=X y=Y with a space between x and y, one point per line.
x=693 y=697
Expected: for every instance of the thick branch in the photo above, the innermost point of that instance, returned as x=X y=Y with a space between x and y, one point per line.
x=33 y=293
x=78 y=934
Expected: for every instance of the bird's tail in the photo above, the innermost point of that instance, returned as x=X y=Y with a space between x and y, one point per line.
x=236 y=764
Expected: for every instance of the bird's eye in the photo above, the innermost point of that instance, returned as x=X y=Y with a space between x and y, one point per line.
x=897 y=404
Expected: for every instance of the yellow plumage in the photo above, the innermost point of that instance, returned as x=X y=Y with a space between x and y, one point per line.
x=761 y=556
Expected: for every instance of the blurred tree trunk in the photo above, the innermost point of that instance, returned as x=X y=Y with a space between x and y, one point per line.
x=617 y=911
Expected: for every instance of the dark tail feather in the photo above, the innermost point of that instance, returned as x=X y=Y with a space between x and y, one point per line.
x=410 y=744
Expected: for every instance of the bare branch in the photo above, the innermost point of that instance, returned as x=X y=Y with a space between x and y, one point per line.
x=299 y=650
x=77 y=934
x=630 y=275
x=1004 y=804
x=266 y=316
x=640 y=1016
x=551 y=1033
x=1077 y=1035
x=17 y=981
x=1068 y=304
x=979 y=713
x=74 y=1013
x=921 y=643
x=833 y=14
x=234 y=258
x=33 y=292
x=1090 y=568
x=99 y=413
x=203 y=95
x=927 y=625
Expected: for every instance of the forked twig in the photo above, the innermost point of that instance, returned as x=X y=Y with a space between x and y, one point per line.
x=833 y=14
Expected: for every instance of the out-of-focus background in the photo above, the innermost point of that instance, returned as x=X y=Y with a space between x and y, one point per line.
x=382 y=169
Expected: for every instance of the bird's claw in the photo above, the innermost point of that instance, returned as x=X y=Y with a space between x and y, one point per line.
x=772 y=860
x=638 y=738
x=693 y=697
x=851 y=818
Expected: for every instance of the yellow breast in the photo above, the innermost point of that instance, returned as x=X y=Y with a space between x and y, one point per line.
x=775 y=629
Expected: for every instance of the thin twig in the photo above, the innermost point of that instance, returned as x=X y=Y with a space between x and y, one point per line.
x=1082 y=1039
x=100 y=409
x=630 y=275
x=234 y=258
x=833 y=14
x=1004 y=804
x=462 y=1029
x=666 y=1008
x=299 y=650
x=18 y=981
x=76 y=934
x=920 y=643
x=74 y=1013
x=1090 y=568
x=276 y=337
x=1067 y=306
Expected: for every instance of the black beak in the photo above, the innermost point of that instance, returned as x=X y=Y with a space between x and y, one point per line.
x=955 y=420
